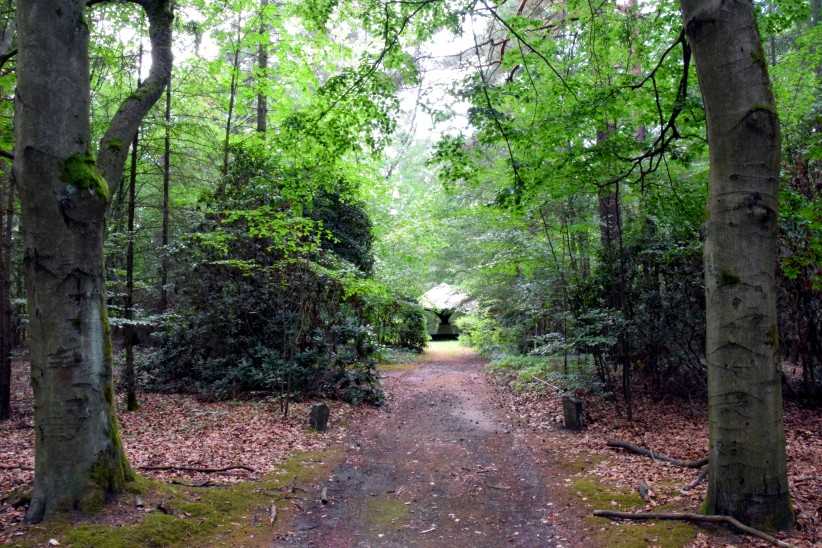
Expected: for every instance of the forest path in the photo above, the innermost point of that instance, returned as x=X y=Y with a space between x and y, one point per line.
x=440 y=466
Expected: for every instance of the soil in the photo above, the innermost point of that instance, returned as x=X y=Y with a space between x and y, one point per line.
x=441 y=466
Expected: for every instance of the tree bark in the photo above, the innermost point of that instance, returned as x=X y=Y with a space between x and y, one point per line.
x=166 y=188
x=747 y=477
x=235 y=68
x=79 y=459
x=128 y=371
x=262 y=68
x=6 y=333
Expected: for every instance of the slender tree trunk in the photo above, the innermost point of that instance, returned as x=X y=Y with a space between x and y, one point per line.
x=128 y=372
x=79 y=459
x=166 y=186
x=262 y=68
x=608 y=201
x=230 y=116
x=747 y=476
x=6 y=332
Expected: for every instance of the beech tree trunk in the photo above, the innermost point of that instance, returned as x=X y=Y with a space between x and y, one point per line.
x=79 y=459
x=747 y=477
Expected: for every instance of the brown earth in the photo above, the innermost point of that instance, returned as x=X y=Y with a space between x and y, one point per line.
x=442 y=466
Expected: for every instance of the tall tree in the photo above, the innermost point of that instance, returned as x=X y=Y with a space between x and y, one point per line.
x=6 y=221
x=166 y=204
x=262 y=68
x=128 y=371
x=232 y=98
x=79 y=459
x=748 y=477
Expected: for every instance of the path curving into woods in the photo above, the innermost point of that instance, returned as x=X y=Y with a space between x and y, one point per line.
x=439 y=467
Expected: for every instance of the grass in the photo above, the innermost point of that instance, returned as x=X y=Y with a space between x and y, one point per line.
x=233 y=515
x=384 y=511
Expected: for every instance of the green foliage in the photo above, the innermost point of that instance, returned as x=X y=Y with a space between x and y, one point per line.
x=283 y=328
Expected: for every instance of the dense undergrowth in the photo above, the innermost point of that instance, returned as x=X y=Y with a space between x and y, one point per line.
x=272 y=300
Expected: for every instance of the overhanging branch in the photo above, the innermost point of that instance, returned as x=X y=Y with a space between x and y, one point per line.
x=114 y=144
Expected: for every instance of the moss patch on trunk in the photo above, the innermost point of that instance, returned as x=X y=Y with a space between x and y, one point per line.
x=80 y=171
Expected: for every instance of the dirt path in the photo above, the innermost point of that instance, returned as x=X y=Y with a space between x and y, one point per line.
x=439 y=467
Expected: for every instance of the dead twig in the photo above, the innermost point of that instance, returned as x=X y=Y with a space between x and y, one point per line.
x=694 y=518
x=699 y=463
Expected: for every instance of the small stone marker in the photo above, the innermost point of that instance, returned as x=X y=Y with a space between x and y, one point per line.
x=574 y=414
x=319 y=417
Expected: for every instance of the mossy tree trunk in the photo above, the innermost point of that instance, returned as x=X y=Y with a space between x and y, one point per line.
x=79 y=459
x=747 y=442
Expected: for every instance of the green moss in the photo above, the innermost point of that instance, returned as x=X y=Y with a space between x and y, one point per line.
x=81 y=171
x=598 y=496
x=156 y=529
x=728 y=278
x=581 y=464
x=381 y=512
x=217 y=516
x=115 y=145
x=666 y=534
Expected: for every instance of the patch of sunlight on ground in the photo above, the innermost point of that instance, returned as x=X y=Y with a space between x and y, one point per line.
x=446 y=349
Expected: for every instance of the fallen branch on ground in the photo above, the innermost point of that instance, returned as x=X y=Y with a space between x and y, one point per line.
x=206 y=483
x=703 y=473
x=549 y=384
x=695 y=518
x=699 y=463
x=195 y=469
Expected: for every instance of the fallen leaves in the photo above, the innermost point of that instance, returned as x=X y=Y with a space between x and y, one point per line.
x=172 y=435
x=677 y=428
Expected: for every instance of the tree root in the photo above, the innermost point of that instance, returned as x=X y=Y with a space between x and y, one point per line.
x=703 y=474
x=198 y=470
x=695 y=518
x=699 y=463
